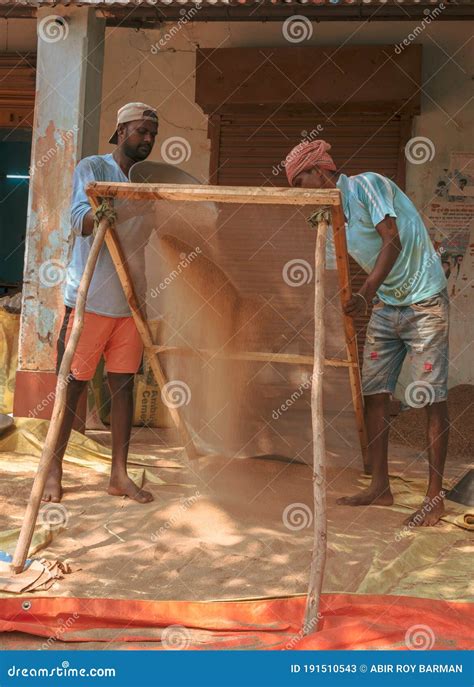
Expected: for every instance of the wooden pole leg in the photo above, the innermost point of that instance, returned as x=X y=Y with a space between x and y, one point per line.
x=342 y=261
x=318 y=560
x=32 y=509
x=120 y=263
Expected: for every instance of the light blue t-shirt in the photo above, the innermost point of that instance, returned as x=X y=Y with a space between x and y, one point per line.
x=417 y=273
x=105 y=296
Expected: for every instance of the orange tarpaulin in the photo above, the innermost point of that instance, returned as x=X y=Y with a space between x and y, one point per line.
x=348 y=622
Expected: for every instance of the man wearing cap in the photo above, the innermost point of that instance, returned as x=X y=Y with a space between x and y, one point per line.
x=109 y=328
x=406 y=283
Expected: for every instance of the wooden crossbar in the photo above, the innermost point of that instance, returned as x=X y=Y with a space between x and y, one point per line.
x=217 y=194
x=258 y=356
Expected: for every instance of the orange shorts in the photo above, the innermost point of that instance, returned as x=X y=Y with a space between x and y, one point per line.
x=116 y=338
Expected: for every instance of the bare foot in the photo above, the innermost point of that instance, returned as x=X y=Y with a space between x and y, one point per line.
x=52 y=489
x=428 y=515
x=368 y=497
x=124 y=486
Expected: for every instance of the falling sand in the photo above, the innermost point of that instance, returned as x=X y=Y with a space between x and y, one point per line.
x=207 y=318
x=215 y=281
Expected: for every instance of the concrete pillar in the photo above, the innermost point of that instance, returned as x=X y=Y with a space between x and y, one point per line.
x=66 y=129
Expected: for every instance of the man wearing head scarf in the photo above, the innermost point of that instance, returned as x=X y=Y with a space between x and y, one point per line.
x=109 y=328
x=406 y=284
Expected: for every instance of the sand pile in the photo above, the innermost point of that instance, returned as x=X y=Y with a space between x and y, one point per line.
x=409 y=427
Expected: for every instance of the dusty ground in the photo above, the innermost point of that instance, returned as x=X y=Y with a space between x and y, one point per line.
x=234 y=529
x=239 y=529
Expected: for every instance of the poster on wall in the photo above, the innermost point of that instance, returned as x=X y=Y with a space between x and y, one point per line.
x=462 y=176
x=450 y=217
x=449 y=225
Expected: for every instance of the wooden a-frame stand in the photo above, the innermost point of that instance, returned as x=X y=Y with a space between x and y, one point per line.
x=329 y=203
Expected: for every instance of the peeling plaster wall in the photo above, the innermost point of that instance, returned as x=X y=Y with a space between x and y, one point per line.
x=135 y=70
x=47 y=242
x=166 y=80
x=64 y=129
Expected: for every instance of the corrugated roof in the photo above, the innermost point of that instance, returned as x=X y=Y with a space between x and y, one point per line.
x=231 y=3
x=139 y=13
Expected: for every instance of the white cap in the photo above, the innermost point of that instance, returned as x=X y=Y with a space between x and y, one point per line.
x=132 y=112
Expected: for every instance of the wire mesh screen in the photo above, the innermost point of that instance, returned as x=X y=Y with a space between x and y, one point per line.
x=224 y=287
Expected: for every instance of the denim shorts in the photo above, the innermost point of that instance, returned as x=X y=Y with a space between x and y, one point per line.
x=421 y=331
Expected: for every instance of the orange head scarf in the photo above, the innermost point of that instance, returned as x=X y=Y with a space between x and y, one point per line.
x=306 y=155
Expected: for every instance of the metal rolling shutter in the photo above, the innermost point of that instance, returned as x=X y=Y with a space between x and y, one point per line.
x=248 y=149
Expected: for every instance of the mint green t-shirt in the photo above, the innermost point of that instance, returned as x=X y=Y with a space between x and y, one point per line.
x=367 y=199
